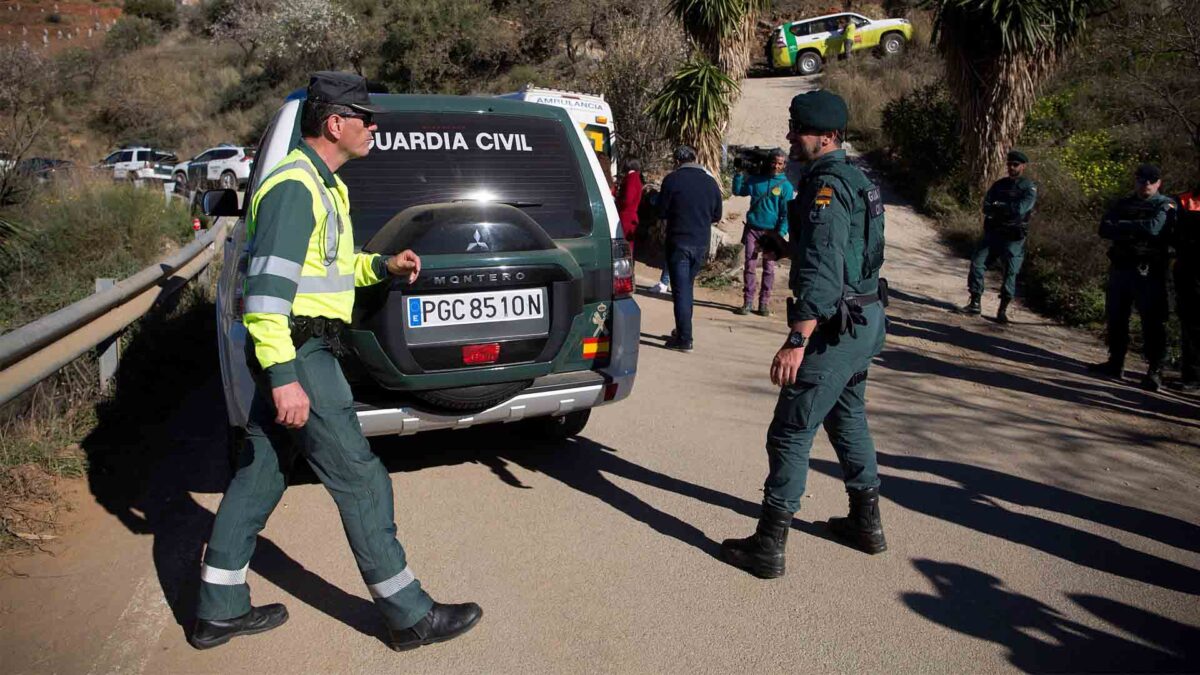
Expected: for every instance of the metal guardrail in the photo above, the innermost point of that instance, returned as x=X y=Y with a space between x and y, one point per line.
x=38 y=349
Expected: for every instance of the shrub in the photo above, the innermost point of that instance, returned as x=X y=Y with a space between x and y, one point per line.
x=922 y=128
x=161 y=12
x=869 y=84
x=83 y=231
x=1098 y=164
x=638 y=63
x=131 y=33
x=439 y=46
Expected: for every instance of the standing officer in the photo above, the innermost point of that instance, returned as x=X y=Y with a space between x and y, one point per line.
x=1187 y=287
x=1137 y=277
x=1006 y=210
x=299 y=295
x=837 y=325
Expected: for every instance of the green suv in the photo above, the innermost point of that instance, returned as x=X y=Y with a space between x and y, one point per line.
x=524 y=309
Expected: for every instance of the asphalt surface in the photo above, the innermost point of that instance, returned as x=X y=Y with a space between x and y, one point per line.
x=1038 y=519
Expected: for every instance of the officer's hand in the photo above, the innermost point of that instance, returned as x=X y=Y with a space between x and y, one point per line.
x=785 y=365
x=405 y=263
x=291 y=405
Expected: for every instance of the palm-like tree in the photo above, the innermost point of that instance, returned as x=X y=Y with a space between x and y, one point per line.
x=723 y=30
x=693 y=108
x=998 y=53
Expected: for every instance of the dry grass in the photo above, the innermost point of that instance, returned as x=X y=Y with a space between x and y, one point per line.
x=868 y=84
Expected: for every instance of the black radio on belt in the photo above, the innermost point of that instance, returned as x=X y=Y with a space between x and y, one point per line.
x=305 y=328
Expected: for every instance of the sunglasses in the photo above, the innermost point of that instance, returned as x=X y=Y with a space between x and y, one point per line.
x=366 y=117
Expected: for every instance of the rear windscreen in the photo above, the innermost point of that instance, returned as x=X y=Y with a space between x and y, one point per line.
x=428 y=158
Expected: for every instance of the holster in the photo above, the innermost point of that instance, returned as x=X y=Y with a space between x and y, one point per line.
x=333 y=331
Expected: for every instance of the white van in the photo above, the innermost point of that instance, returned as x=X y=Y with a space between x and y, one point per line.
x=590 y=111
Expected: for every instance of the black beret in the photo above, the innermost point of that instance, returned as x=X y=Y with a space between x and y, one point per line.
x=1149 y=173
x=819 y=110
x=1018 y=156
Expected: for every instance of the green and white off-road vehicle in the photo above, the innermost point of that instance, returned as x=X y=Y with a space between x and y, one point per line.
x=524 y=309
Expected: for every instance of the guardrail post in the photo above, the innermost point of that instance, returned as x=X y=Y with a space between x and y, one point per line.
x=205 y=276
x=110 y=349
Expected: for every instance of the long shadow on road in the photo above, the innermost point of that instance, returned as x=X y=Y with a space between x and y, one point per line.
x=1040 y=638
x=973 y=503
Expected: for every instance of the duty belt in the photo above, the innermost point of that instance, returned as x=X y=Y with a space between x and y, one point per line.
x=333 y=331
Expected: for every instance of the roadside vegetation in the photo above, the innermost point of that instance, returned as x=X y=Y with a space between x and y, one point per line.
x=1118 y=97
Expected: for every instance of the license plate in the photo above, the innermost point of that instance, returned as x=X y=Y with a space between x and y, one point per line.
x=457 y=309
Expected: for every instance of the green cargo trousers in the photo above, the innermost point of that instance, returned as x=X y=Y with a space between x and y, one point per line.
x=1010 y=253
x=333 y=443
x=830 y=390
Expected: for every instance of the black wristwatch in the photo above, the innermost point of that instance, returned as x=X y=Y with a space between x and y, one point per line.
x=796 y=340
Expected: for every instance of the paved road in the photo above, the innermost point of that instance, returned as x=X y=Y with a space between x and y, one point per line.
x=1038 y=519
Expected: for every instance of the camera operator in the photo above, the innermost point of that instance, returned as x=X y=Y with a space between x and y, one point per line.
x=769 y=191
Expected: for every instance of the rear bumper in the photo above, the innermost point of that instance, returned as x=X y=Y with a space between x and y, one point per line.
x=552 y=395
x=548 y=396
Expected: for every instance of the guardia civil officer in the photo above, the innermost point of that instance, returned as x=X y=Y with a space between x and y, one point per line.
x=1137 y=277
x=1186 y=236
x=298 y=297
x=836 y=319
x=1006 y=210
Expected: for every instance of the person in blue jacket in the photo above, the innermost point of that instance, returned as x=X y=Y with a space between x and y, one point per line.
x=769 y=195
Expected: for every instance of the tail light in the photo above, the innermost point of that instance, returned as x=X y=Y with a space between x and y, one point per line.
x=622 y=258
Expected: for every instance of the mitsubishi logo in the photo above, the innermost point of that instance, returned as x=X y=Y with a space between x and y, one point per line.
x=478 y=244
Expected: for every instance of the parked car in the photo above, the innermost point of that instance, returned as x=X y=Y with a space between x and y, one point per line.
x=139 y=163
x=43 y=169
x=804 y=46
x=225 y=166
x=524 y=309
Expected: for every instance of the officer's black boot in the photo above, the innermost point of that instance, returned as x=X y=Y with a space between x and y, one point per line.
x=443 y=622
x=1002 y=314
x=1109 y=368
x=208 y=634
x=1152 y=381
x=863 y=528
x=762 y=553
x=973 y=307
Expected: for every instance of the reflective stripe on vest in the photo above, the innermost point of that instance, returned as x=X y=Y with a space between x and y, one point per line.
x=332 y=282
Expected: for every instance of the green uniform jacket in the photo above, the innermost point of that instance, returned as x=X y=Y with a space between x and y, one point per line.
x=1008 y=204
x=285 y=242
x=826 y=219
x=1138 y=229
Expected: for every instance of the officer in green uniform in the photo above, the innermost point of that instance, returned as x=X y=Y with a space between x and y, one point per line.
x=836 y=319
x=1006 y=210
x=1137 y=277
x=299 y=294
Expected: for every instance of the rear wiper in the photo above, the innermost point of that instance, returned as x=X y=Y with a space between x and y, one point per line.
x=511 y=202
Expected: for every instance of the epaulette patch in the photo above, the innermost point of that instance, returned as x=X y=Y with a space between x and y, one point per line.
x=824 y=197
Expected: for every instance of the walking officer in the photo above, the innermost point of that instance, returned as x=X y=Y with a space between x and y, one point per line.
x=1137 y=277
x=1006 y=210
x=1186 y=235
x=836 y=319
x=298 y=297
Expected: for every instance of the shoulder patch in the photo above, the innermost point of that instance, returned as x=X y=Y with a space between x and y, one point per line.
x=824 y=196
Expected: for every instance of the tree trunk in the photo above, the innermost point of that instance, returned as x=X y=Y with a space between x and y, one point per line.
x=995 y=94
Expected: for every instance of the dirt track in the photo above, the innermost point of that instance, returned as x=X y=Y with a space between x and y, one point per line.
x=1039 y=519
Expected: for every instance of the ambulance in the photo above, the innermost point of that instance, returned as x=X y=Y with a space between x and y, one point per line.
x=590 y=111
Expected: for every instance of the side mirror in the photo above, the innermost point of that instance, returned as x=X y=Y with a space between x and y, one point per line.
x=219 y=203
